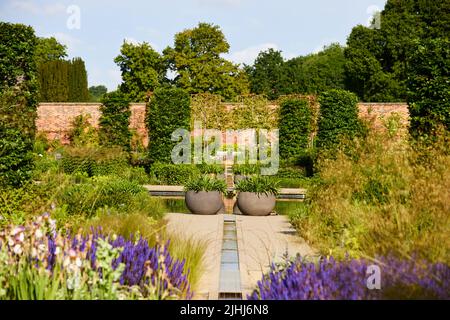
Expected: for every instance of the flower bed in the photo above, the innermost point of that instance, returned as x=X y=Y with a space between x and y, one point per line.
x=37 y=262
x=347 y=280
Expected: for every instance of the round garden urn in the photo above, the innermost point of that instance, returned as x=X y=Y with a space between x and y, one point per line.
x=204 y=202
x=256 y=204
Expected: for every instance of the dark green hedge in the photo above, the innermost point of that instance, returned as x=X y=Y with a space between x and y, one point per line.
x=114 y=121
x=18 y=104
x=168 y=110
x=429 y=87
x=338 y=118
x=295 y=127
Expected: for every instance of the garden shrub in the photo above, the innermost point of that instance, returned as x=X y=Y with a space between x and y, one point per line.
x=173 y=174
x=18 y=102
x=112 y=192
x=295 y=127
x=94 y=161
x=82 y=132
x=428 y=87
x=338 y=120
x=115 y=120
x=168 y=110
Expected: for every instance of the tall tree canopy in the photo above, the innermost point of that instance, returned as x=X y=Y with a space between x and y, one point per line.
x=97 y=92
x=49 y=49
x=267 y=74
x=376 y=65
x=142 y=68
x=195 y=59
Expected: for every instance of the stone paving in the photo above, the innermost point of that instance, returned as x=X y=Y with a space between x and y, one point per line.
x=261 y=241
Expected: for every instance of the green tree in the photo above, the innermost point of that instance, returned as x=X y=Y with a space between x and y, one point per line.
x=115 y=120
x=97 y=92
x=315 y=73
x=199 y=68
x=377 y=67
x=267 y=74
x=54 y=81
x=338 y=118
x=142 y=68
x=295 y=127
x=169 y=109
x=429 y=88
x=78 y=83
x=18 y=102
x=49 y=49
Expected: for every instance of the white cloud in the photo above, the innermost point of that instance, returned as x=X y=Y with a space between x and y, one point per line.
x=248 y=55
x=36 y=9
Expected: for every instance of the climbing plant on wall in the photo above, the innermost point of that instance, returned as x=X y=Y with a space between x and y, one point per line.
x=209 y=110
x=254 y=111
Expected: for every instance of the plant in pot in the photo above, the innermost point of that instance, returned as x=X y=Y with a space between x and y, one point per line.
x=203 y=195
x=243 y=171
x=213 y=170
x=257 y=195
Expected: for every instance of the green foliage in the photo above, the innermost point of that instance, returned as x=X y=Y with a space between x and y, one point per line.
x=428 y=88
x=211 y=168
x=18 y=103
x=315 y=73
x=111 y=192
x=205 y=183
x=338 y=118
x=49 y=49
x=208 y=109
x=93 y=161
x=253 y=111
x=295 y=127
x=54 y=81
x=246 y=169
x=258 y=184
x=377 y=66
x=78 y=84
x=173 y=174
x=168 y=110
x=63 y=81
x=115 y=120
x=142 y=70
x=267 y=74
x=96 y=92
x=196 y=58
x=82 y=133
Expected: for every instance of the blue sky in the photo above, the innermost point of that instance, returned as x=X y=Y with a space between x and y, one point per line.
x=297 y=27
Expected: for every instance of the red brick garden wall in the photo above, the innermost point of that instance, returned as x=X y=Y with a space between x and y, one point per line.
x=55 y=119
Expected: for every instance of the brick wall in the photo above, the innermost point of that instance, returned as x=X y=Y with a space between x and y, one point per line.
x=55 y=119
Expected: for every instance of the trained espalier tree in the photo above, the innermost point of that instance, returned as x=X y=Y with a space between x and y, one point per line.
x=196 y=59
x=114 y=121
x=168 y=110
x=18 y=92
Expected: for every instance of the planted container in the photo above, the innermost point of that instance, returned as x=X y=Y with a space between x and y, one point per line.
x=204 y=195
x=257 y=195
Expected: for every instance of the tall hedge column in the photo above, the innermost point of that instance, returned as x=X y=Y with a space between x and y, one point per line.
x=295 y=127
x=115 y=120
x=338 y=118
x=18 y=102
x=168 y=110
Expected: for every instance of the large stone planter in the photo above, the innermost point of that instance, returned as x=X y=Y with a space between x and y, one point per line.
x=203 y=202
x=254 y=204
